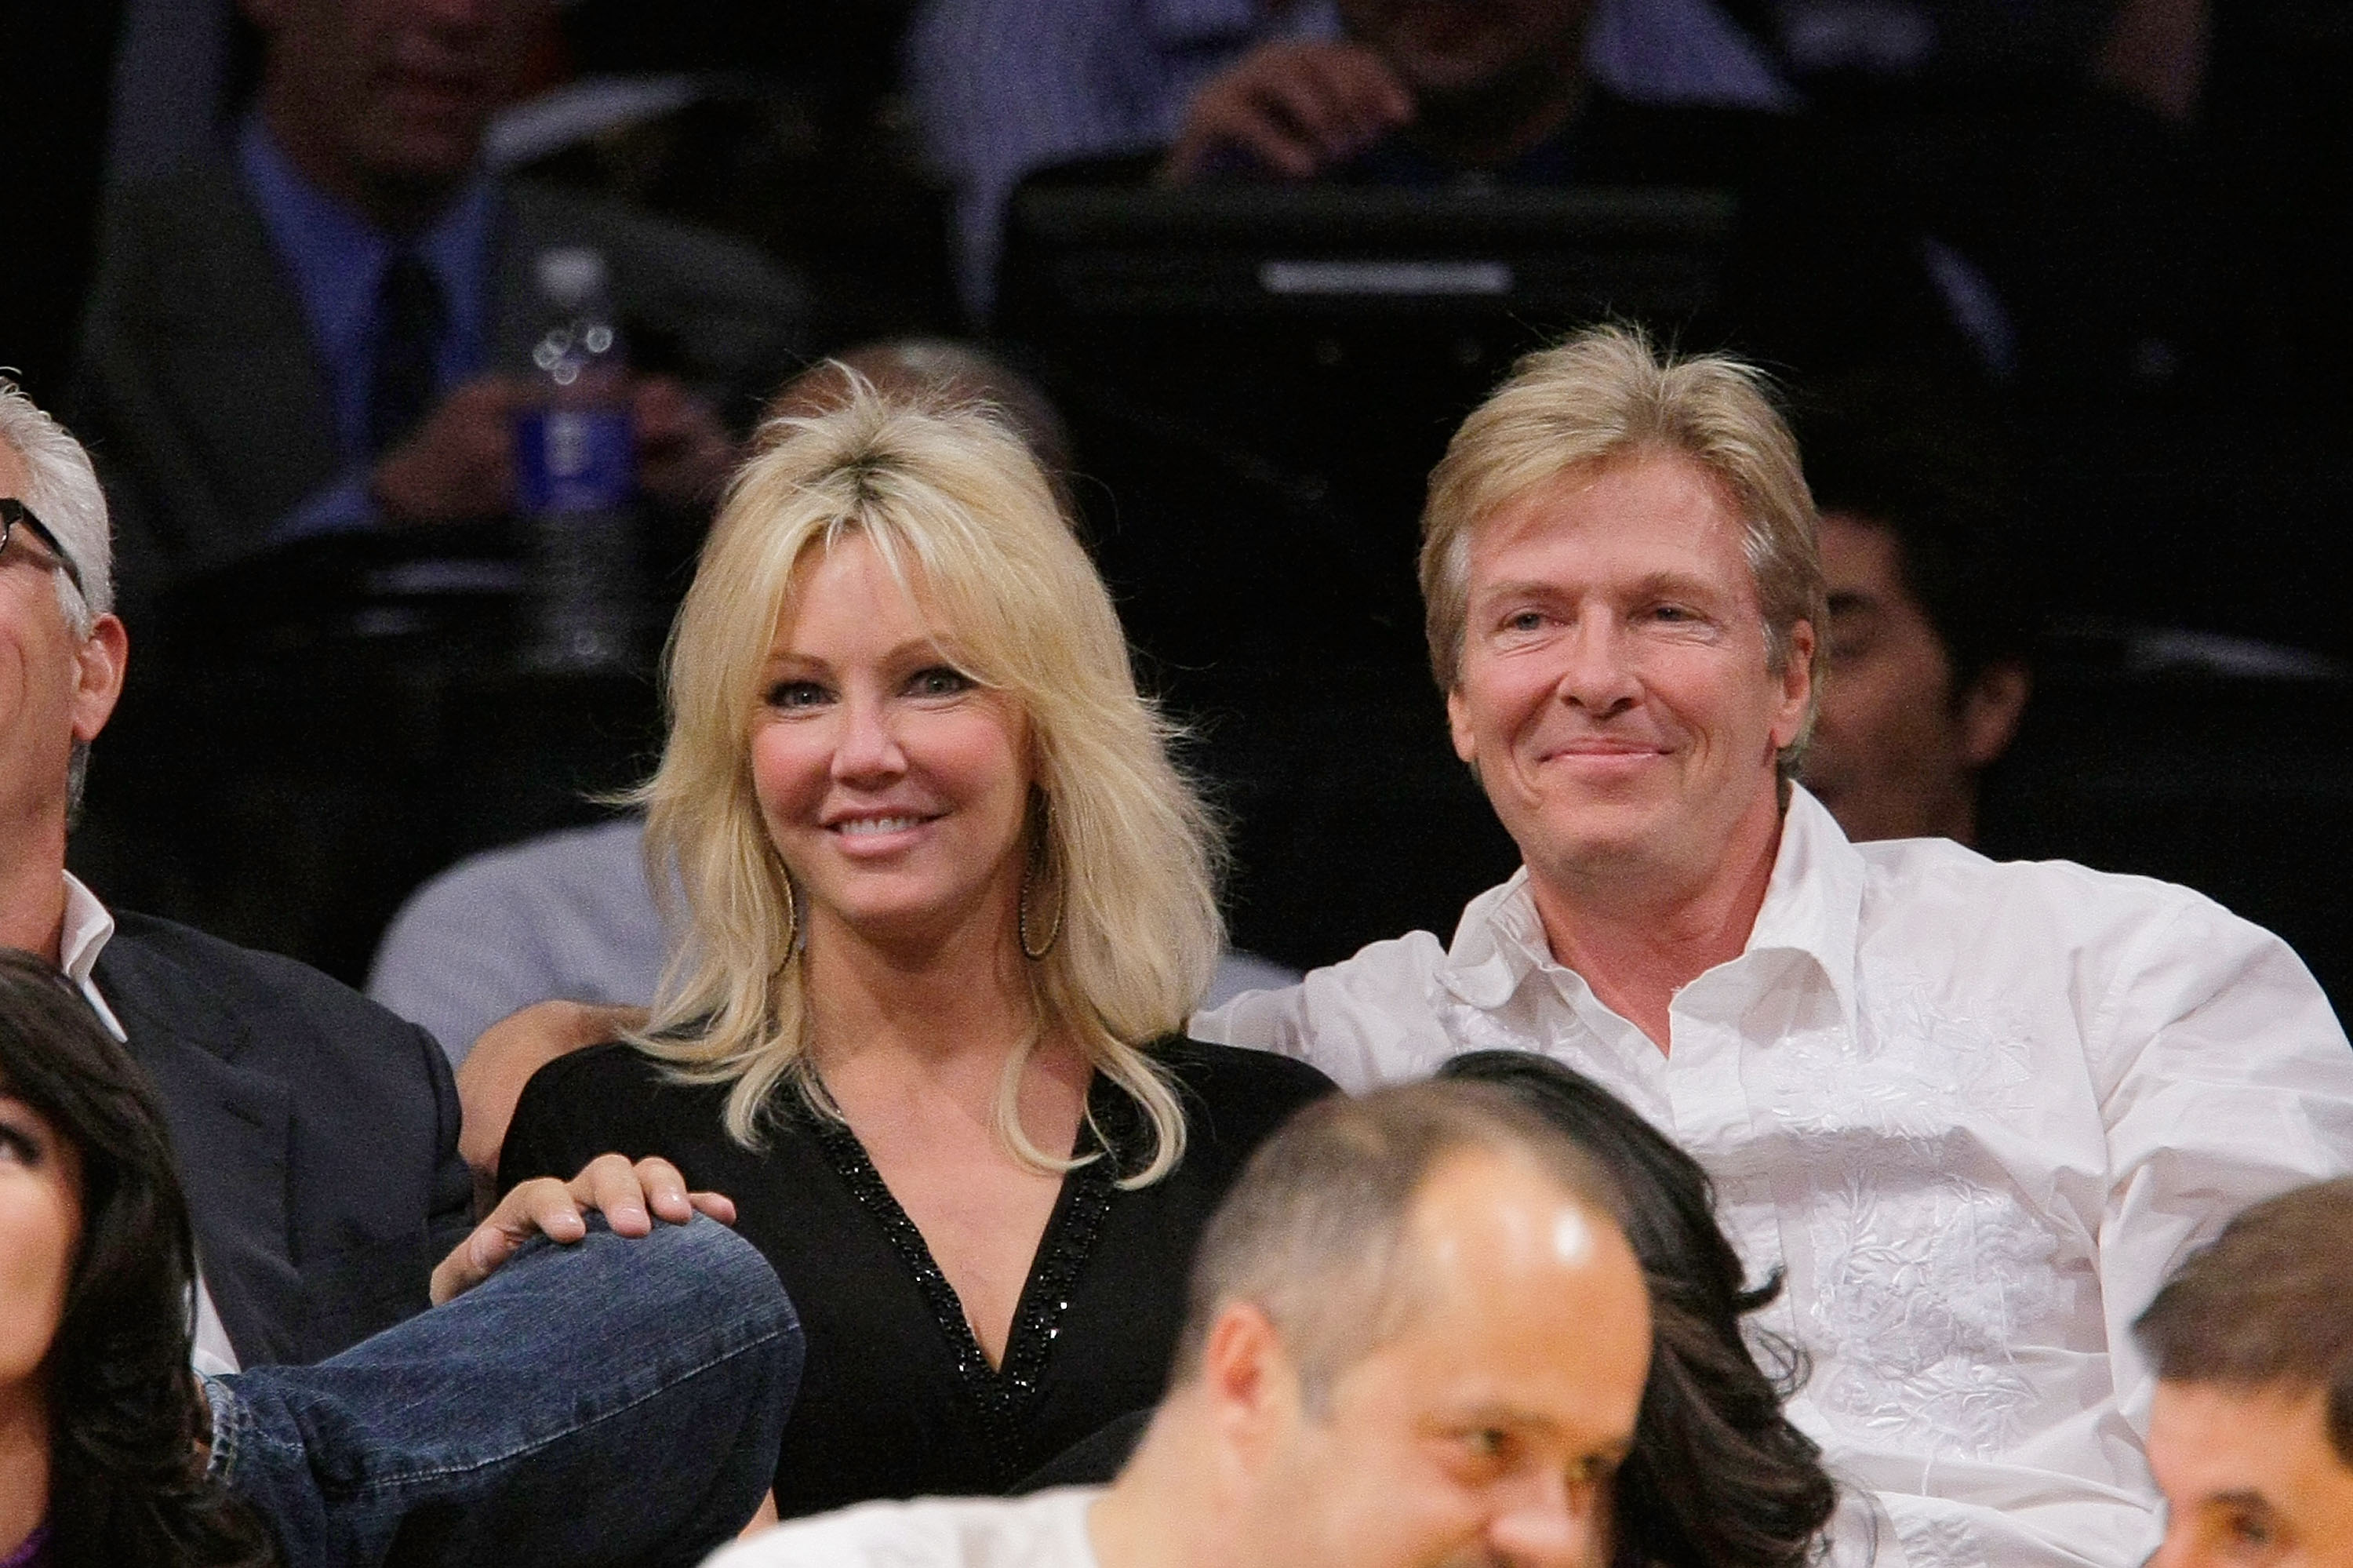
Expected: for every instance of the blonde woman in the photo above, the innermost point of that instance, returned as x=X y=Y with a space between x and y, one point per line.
x=950 y=903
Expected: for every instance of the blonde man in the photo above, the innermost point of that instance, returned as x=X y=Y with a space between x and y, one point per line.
x=1977 y=1113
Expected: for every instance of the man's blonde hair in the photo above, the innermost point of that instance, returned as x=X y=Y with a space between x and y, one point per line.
x=1607 y=394
x=962 y=516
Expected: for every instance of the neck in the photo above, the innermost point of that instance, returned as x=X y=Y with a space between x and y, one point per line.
x=24 y=1465
x=394 y=207
x=1637 y=938
x=1165 y=1511
x=1498 y=122
x=33 y=886
x=952 y=1004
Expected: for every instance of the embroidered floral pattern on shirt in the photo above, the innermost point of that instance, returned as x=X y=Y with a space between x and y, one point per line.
x=1928 y=1270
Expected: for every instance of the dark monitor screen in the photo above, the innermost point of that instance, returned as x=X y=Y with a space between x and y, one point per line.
x=1261 y=366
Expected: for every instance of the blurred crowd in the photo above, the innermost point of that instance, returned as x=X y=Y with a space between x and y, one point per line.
x=1078 y=432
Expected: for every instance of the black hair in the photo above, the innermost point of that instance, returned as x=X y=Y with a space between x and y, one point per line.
x=1718 y=1476
x=125 y=1410
x=2264 y=1306
x=1926 y=467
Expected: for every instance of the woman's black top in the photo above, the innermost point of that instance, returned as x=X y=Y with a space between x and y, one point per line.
x=896 y=1399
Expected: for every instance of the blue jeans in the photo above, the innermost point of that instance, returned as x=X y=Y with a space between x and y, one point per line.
x=611 y=1401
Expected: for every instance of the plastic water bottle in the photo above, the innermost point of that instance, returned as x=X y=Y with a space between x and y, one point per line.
x=575 y=475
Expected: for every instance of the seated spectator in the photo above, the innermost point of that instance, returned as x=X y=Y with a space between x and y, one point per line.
x=318 y=1133
x=1416 y=1336
x=327 y=331
x=1718 y=1476
x=1430 y=94
x=947 y=903
x=1930 y=623
x=1005 y=88
x=1973 y=1109
x=2251 y=1431
x=483 y=1432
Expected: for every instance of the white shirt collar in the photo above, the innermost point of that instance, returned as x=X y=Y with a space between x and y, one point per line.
x=88 y=928
x=1813 y=908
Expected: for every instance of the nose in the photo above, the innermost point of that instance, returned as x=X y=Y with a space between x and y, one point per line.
x=1553 y=1523
x=865 y=750
x=1597 y=671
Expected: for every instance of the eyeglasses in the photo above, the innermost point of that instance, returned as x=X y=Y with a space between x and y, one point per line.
x=12 y=513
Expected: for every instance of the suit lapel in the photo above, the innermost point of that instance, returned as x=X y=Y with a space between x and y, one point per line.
x=231 y=1134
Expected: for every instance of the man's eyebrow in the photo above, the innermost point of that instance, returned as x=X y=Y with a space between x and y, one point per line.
x=1648 y=585
x=2244 y=1496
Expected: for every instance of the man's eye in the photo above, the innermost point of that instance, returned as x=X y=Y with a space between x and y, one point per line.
x=789 y=695
x=1525 y=620
x=939 y=681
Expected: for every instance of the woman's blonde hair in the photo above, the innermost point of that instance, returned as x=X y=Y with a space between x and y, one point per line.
x=1605 y=393
x=962 y=516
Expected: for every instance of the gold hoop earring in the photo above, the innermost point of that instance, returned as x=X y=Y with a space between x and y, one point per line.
x=792 y=925
x=1038 y=855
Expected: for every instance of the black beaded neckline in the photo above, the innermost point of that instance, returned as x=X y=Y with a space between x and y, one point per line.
x=1003 y=1393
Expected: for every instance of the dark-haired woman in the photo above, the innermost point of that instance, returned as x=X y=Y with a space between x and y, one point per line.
x=1719 y=1477
x=100 y=1416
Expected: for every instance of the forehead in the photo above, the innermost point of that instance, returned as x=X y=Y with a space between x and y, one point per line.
x=842 y=592
x=1637 y=516
x=1523 y=1298
x=15 y=477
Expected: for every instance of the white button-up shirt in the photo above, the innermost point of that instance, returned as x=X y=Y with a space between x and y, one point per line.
x=1977 y=1113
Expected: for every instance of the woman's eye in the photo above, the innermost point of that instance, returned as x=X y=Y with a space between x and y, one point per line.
x=795 y=695
x=1487 y=1442
x=19 y=1146
x=939 y=682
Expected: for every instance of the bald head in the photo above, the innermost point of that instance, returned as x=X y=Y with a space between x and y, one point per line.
x=1420 y=1339
x=1315 y=1230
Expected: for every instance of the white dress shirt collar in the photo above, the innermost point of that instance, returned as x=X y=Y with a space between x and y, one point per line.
x=88 y=928
x=1813 y=908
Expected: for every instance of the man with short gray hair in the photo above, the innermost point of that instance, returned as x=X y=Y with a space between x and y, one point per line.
x=1415 y=1337
x=1974 y=1113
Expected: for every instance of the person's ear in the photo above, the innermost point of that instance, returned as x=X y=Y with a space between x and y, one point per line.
x=1248 y=1377
x=1797 y=685
x=100 y=662
x=1992 y=709
x=1458 y=724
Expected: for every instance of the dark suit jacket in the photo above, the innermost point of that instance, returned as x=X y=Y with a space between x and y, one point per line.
x=208 y=410
x=316 y=1134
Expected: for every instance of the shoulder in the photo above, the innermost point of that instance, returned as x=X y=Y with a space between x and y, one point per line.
x=2058 y=905
x=1232 y=1075
x=614 y=1068
x=159 y=967
x=1047 y=1530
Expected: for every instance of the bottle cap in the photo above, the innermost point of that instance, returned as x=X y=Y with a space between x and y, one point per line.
x=570 y=275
